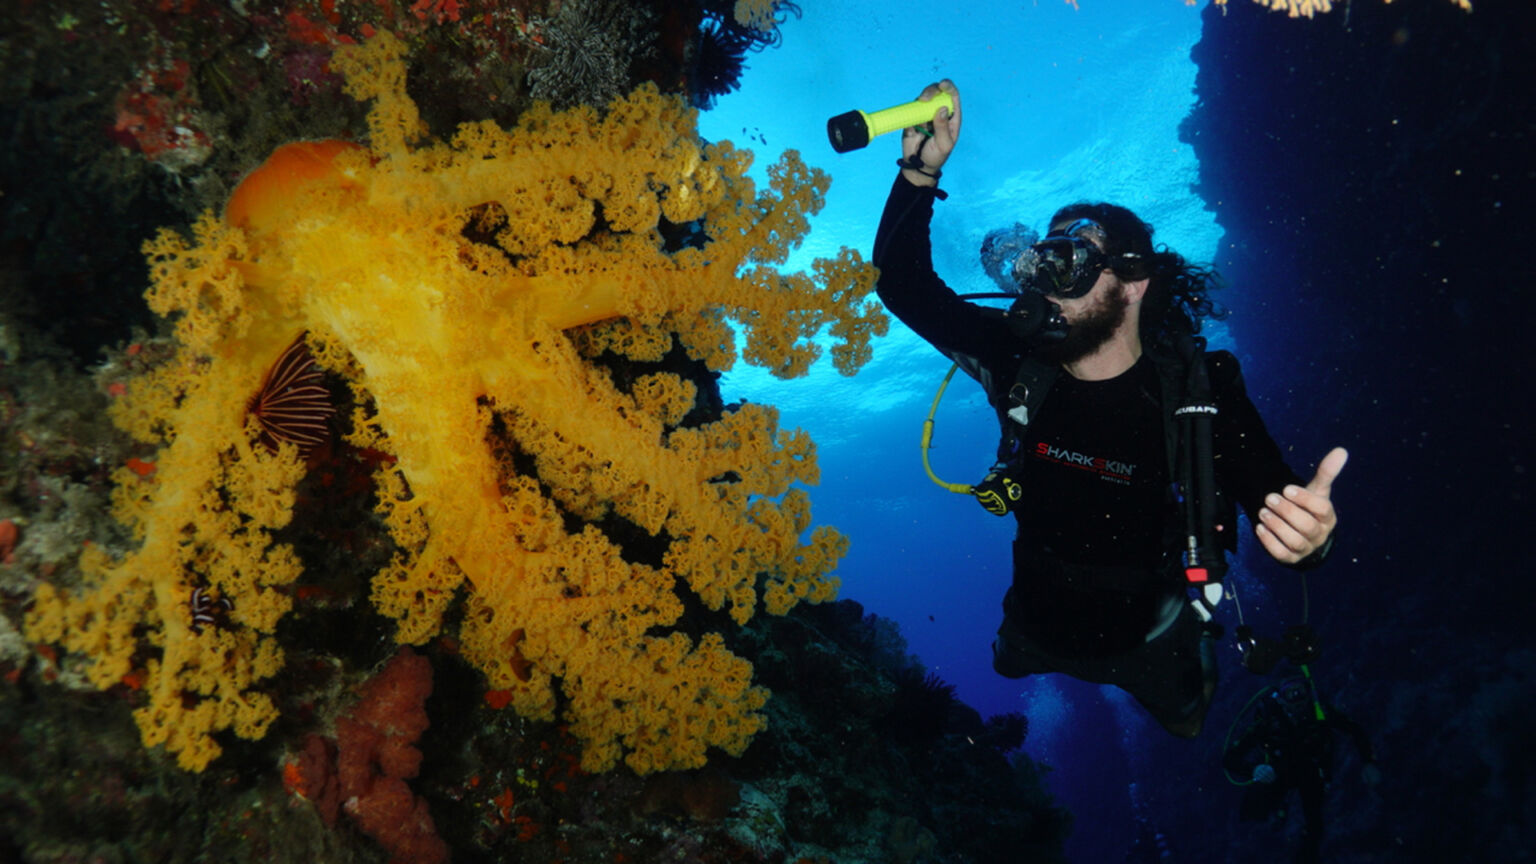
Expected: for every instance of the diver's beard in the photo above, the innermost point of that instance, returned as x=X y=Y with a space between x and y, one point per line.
x=1091 y=332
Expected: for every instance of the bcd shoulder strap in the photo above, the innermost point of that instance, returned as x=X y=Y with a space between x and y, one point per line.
x=1209 y=519
x=1019 y=407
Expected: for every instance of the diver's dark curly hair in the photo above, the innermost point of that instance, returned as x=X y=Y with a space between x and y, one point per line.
x=1178 y=296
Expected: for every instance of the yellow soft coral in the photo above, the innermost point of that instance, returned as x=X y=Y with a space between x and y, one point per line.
x=204 y=519
x=464 y=289
x=206 y=516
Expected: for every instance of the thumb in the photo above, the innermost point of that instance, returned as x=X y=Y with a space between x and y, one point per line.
x=1328 y=471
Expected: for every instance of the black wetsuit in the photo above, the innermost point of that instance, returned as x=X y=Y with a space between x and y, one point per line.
x=1093 y=571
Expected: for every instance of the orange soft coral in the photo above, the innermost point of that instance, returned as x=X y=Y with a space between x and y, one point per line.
x=385 y=258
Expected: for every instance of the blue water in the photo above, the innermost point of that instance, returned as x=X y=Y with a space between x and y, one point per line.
x=1059 y=104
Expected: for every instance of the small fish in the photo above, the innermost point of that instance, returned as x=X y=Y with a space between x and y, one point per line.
x=205 y=609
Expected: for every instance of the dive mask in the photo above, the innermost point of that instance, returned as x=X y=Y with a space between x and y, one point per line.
x=1066 y=263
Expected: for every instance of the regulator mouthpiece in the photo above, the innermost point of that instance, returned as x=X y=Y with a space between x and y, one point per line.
x=853 y=130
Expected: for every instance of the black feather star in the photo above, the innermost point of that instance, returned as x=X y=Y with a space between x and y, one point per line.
x=720 y=50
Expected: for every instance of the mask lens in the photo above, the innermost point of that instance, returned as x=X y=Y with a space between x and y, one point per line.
x=1059 y=266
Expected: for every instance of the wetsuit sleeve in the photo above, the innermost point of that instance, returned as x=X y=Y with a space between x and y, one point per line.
x=1248 y=462
x=913 y=292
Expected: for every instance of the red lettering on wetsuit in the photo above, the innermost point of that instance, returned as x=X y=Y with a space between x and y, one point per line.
x=1110 y=469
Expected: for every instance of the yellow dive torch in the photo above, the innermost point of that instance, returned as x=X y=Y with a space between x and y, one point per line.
x=853 y=130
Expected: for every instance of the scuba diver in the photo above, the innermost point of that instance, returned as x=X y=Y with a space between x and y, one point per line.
x=1124 y=444
x=1290 y=746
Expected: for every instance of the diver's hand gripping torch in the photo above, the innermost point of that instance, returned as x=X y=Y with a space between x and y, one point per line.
x=853 y=130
